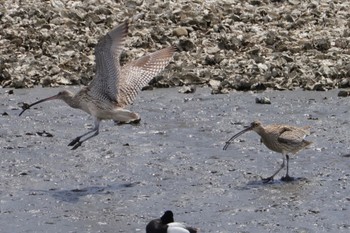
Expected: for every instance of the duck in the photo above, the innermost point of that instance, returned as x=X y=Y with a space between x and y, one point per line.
x=166 y=224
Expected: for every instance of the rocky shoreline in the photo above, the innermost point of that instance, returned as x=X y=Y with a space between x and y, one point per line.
x=241 y=45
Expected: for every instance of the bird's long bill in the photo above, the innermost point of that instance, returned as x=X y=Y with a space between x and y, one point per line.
x=25 y=107
x=236 y=136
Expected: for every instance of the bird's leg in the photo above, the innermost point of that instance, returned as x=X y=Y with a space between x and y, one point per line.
x=270 y=178
x=77 y=139
x=287 y=177
x=76 y=142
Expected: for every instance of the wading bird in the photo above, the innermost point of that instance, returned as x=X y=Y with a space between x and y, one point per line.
x=166 y=224
x=114 y=87
x=283 y=139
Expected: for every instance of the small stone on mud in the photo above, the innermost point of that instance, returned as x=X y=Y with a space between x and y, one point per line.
x=187 y=89
x=262 y=100
x=344 y=93
x=215 y=84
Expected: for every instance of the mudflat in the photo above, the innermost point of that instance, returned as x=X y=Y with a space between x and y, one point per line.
x=128 y=175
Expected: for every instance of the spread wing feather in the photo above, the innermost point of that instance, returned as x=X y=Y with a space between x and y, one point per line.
x=137 y=74
x=107 y=53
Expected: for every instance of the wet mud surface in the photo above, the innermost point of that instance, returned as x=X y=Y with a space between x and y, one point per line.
x=128 y=175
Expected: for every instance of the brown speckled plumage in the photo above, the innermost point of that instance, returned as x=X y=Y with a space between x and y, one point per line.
x=283 y=139
x=114 y=87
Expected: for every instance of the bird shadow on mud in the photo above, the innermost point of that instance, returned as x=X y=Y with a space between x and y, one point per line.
x=74 y=195
x=274 y=183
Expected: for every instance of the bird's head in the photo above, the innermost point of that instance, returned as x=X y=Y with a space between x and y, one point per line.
x=255 y=126
x=62 y=95
x=167 y=217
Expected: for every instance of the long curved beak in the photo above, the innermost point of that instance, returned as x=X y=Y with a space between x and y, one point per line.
x=236 y=136
x=26 y=106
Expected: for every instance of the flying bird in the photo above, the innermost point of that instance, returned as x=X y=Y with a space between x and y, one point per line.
x=114 y=87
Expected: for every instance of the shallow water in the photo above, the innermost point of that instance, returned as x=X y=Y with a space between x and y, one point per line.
x=128 y=175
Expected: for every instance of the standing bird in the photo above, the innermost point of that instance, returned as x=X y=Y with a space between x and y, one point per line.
x=166 y=224
x=114 y=87
x=279 y=138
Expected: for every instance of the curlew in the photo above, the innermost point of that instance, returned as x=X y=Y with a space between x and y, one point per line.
x=113 y=87
x=283 y=139
x=166 y=224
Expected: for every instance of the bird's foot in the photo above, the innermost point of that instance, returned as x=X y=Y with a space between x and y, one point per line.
x=267 y=180
x=287 y=178
x=75 y=141
x=76 y=145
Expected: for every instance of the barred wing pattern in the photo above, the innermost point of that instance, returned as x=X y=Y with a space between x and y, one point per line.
x=293 y=136
x=137 y=74
x=107 y=53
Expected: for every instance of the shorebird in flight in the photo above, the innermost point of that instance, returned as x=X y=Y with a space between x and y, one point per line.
x=114 y=87
x=283 y=139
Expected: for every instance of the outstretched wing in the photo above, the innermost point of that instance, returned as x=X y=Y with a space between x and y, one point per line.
x=137 y=74
x=107 y=54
